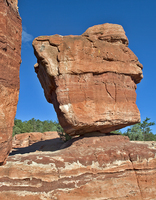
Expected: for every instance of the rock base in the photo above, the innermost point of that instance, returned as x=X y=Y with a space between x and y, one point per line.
x=103 y=167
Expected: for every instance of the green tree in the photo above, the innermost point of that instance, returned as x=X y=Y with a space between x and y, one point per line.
x=141 y=131
x=39 y=126
x=27 y=127
x=134 y=132
x=34 y=125
x=18 y=123
x=145 y=126
x=16 y=130
x=117 y=132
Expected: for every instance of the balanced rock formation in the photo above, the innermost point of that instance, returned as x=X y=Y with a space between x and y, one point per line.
x=90 y=79
x=84 y=168
x=10 y=59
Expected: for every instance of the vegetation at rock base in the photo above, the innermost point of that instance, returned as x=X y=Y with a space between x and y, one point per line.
x=140 y=131
x=34 y=125
x=64 y=136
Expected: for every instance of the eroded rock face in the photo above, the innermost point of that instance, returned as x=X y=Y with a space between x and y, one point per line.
x=27 y=139
x=90 y=79
x=10 y=58
x=104 y=167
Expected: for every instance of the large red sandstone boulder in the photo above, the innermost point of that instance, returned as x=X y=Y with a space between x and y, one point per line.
x=84 y=168
x=10 y=59
x=90 y=79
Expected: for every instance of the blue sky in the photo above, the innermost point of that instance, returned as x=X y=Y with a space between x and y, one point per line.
x=72 y=17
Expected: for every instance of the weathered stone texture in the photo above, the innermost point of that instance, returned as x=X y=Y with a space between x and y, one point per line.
x=90 y=79
x=10 y=58
x=27 y=139
x=104 y=167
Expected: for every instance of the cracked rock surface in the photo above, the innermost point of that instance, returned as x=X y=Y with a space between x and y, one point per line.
x=103 y=167
x=10 y=59
x=90 y=79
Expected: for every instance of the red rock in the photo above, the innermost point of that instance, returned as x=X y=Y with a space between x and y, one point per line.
x=20 y=140
x=104 y=167
x=27 y=139
x=35 y=137
x=50 y=135
x=90 y=79
x=10 y=58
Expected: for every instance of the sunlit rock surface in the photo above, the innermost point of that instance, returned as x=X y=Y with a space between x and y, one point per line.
x=90 y=79
x=10 y=59
x=27 y=139
x=104 y=167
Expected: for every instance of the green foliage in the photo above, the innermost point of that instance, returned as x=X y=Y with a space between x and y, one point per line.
x=141 y=131
x=134 y=133
x=64 y=136
x=146 y=130
x=118 y=132
x=16 y=130
x=34 y=125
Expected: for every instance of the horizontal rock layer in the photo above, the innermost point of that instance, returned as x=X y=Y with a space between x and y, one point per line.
x=10 y=59
x=104 y=167
x=27 y=139
x=90 y=79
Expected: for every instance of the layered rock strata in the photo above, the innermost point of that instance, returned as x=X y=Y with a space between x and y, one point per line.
x=107 y=168
x=90 y=79
x=10 y=59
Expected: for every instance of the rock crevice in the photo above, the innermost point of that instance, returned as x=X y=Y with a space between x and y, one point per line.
x=136 y=176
